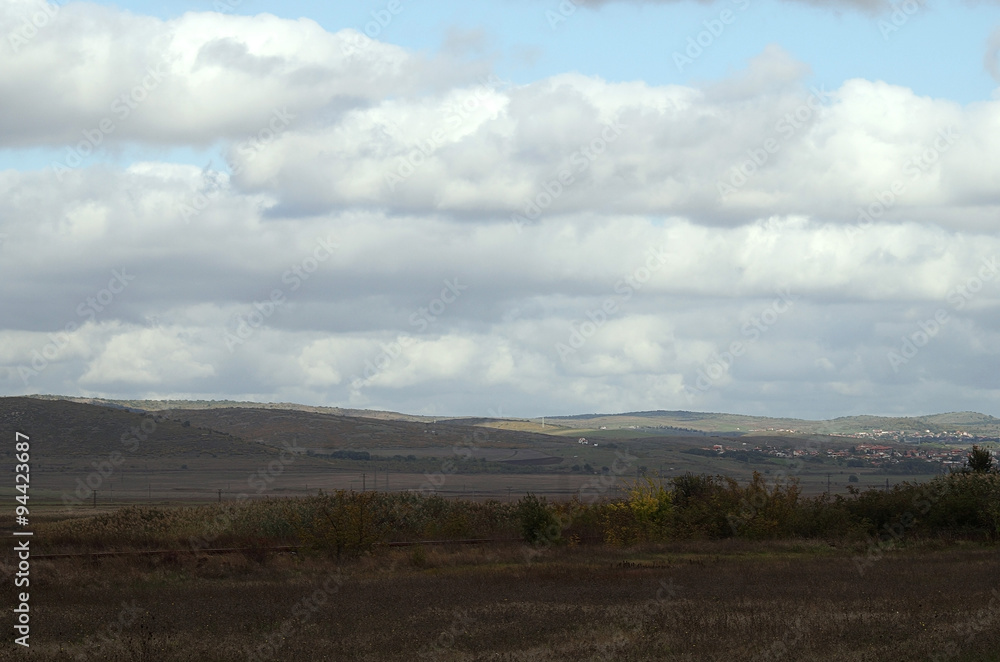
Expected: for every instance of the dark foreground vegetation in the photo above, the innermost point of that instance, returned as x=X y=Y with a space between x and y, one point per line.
x=344 y=524
x=698 y=568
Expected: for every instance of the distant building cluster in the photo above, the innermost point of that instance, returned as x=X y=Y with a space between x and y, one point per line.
x=957 y=436
x=862 y=454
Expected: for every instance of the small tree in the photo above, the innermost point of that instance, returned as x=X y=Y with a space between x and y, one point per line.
x=980 y=460
x=538 y=524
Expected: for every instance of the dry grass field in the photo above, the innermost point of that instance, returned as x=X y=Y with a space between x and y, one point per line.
x=720 y=600
x=703 y=595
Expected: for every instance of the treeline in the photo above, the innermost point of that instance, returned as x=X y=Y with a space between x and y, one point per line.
x=363 y=460
x=347 y=523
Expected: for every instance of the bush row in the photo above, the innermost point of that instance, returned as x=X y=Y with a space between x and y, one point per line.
x=347 y=523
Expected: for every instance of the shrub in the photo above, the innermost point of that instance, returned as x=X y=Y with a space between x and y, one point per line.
x=538 y=523
x=343 y=523
x=980 y=460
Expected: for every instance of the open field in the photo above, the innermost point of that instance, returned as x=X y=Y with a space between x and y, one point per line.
x=692 y=568
x=203 y=482
x=723 y=600
x=192 y=455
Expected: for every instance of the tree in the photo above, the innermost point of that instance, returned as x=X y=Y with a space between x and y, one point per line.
x=980 y=460
x=538 y=524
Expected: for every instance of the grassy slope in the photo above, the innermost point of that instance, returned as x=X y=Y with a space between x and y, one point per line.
x=972 y=422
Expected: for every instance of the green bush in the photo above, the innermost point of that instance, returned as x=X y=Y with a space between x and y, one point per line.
x=538 y=523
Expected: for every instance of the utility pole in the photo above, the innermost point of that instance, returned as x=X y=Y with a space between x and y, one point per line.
x=95 y=498
x=828 y=484
x=363 y=479
x=220 y=496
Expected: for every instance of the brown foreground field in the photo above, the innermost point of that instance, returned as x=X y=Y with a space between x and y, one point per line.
x=713 y=600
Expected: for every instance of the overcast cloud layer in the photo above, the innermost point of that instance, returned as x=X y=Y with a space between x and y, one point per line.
x=389 y=228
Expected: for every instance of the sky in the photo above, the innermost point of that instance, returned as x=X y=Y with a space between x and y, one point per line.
x=504 y=208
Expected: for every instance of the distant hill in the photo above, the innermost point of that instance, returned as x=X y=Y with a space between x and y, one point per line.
x=271 y=424
x=160 y=405
x=69 y=430
x=323 y=430
x=677 y=421
x=971 y=422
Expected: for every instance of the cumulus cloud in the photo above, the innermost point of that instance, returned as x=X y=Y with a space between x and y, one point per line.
x=191 y=80
x=761 y=143
x=145 y=357
x=425 y=236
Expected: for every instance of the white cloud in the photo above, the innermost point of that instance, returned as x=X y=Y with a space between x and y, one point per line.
x=206 y=248
x=190 y=80
x=678 y=151
x=146 y=357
